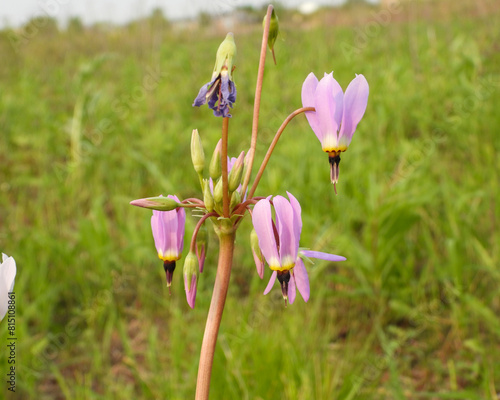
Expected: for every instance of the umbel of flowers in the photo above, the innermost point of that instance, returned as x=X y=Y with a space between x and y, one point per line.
x=226 y=196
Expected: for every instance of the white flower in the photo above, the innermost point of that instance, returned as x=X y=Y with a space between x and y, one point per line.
x=7 y=275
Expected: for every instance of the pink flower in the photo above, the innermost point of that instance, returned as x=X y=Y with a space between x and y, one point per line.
x=168 y=234
x=336 y=116
x=279 y=243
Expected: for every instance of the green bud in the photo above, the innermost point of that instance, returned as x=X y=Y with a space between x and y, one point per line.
x=225 y=55
x=190 y=268
x=274 y=30
x=234 y=178
x=207 y=196
x=197 y=154
x=215 y=168
x=218 y=192
x=235 y=199
x=159 y=203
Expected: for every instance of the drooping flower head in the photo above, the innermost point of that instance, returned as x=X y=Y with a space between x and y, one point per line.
x=168 y=234
x=220 y=92
x=279 y=244
x=7 y=277
x=337 y=114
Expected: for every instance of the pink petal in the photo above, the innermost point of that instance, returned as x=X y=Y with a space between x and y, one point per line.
x=262 y=222
x=271 y=282
x=191 y=293
x=308 y=100
x=285 y=225
x=301 y=279
x=259 y=264
x=291 y=289
x=322 y=256
x=355 y=101
x=297 y=219
x=329 y=103
x=181 y=221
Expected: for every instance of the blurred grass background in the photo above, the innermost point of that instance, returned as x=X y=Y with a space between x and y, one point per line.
x=92 y=118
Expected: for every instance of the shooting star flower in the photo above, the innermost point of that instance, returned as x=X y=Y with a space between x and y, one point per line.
x=336 y=116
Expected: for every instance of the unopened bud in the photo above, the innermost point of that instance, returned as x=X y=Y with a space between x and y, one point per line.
x=159 y=203
x=234 y=178
x=235 y=200
x=218 y=192
x=274 y=30
x=190 y=272
x=197 y=154
x=215 y=168
x=208 y=199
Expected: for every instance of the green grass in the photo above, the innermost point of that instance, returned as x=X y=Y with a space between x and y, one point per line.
x=413 y=312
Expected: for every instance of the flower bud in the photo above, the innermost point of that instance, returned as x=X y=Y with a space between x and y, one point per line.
x=190 y=272
x=274 y=30
x=215 y=168
x=208 y=199
x=235 y=200
x=197 y=154
x=159 y=203
x=234 y=178
x=257 y=254
x=218 y=192
x=201 y=246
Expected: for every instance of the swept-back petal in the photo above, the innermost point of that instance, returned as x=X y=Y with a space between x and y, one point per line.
x=322 y=256
x=297 y=219
x=171 y=227
x=291 y=289
x=308 y=100
x=181 y=221
x=285 y=224
x=158 y=230
x=301 y=279
x=329 y=103
x=263 y=225
x=355 y=101
x=271 y=282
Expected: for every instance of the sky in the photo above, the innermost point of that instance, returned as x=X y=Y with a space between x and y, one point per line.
x=14 y=13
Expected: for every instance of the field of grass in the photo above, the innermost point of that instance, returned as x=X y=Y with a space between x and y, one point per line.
x=94 y=119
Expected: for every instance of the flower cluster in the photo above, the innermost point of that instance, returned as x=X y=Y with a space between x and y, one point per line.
x=333 y=116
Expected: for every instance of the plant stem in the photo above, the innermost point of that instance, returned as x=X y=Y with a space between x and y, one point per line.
x=225 y=191
x=226 y=248
x=273 y=145
x=256 y=104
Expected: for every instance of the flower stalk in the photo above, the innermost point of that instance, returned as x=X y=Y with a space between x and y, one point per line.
x=226 y=250
x=258 y=94
x=273 y=145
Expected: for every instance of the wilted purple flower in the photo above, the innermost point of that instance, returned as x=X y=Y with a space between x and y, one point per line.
x=279 y=243
x=336 y=116
x=168 y=234
x=220 y=92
